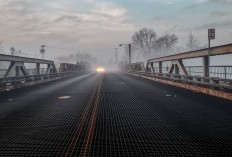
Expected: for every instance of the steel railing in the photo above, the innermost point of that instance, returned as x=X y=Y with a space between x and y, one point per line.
x=29 y=71
x=209 y=82
x=224 y=72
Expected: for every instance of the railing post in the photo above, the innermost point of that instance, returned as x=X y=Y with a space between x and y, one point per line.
x=17 y=69
x=225 y=71
x=206 y=66
x=177 y=71
x=48 y=68
x=152 y=68
x=38 y=68
x=160 y=67
x=189 y=70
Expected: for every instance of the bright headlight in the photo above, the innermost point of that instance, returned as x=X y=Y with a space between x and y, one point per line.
x=100 y=69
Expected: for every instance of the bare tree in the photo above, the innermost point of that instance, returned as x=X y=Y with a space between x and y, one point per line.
x=148 y=43
x=192 y=42
x=166 y=42
x=144 y=40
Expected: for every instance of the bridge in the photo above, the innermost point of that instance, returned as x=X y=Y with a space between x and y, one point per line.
x=144 y=110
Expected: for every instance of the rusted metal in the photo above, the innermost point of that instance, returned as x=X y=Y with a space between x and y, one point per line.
x=138 y=66
x=209 y=91
x=219 y=50
x=7 y=84
x=177 y=65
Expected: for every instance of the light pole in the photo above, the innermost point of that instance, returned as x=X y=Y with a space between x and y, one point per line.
x=129 y=45
x=42 y=51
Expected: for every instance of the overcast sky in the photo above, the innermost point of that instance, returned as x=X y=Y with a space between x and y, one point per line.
x=98 y=26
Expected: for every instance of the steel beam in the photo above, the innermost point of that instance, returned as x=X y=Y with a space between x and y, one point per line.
x=4 y=57
x=178 y=67
x=219 y=50
x=181 y=67
x=160 y=67
x=152 y=68
x=177 y=70
x=48 y=69
x=38 y=68
x=210 y=91
x=171 y=69
x=17 y=67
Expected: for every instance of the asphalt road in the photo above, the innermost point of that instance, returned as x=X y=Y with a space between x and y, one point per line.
x=113 y=114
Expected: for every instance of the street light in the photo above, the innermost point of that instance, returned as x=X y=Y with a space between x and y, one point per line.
x=42 y=51
x=129 y=45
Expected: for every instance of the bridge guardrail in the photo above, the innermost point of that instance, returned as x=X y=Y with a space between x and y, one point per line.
x=33 y=77
x=209 y=82
x=14 y=81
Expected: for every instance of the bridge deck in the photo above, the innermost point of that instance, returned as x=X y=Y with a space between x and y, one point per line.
x=113 y=115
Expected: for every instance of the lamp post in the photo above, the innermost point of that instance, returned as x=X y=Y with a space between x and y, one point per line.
x=42 y=51
x=129 y=45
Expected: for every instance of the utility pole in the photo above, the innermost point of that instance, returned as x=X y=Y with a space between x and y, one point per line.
x=42 y=51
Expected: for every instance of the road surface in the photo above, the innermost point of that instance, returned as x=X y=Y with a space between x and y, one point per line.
x=113 y=114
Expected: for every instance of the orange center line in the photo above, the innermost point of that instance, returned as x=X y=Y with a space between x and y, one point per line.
x=93 y=100
x=89 y=135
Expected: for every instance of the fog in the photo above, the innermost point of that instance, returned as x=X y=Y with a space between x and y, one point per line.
x=97 y=27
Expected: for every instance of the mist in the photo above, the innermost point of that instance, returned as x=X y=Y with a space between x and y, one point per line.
x=97 y=27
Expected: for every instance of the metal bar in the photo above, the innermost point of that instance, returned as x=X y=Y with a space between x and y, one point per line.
x=17 y=71
x=38 y=68
x=48 y=69
x=178 y=83
x=219 y=50
x=129 y=53
x=177 y=70
x=160 y=67
x=23 y=69
x=206 y=66
x=4 y=57
x=171 y=69
x=10 y=69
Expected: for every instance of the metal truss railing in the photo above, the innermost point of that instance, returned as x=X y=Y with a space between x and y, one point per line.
x=208 y=82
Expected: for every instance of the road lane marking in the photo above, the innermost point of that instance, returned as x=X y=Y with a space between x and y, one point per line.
x=64 y=97
x=93 y=101
x=90 y=131
x=10 y=99
x=79 y=126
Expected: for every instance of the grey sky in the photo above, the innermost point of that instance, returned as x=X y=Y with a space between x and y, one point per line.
x=98 y=26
